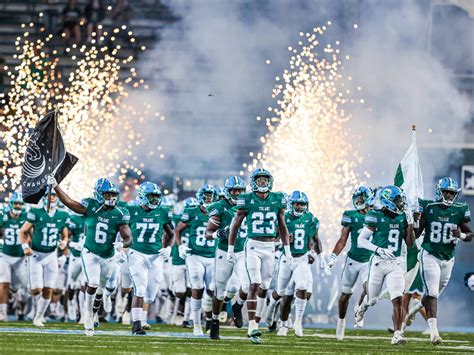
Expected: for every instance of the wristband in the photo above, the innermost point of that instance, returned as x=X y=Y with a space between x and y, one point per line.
x=214 y=235
x=25 y=246
x=287 y=250
x=230 y=249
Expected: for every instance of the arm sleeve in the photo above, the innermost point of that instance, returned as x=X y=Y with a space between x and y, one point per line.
x=467 y=214
x=363 y=240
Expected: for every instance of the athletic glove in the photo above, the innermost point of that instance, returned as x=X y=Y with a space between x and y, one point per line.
x=221 y=233
x=332 y=260
x=231 y=258
x=385 y=254
x=183 y=251
x=51 y=180
x=165 y=253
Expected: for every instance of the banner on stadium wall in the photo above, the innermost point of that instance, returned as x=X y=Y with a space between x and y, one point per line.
x=467 y=179
x=38 y=161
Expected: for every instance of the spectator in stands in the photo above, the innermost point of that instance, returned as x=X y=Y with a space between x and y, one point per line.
x=95 y=14
x=121 y=13
x=71 y=17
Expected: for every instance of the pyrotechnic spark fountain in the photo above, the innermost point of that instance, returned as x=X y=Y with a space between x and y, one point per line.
x=307 y=146
x=97 y=123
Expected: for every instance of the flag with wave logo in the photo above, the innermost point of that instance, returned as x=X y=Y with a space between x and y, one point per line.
x=39 y=161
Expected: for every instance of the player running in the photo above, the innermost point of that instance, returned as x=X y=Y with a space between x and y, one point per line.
x=387 y=228
x=199 y=254
x=357 y=260
x=445 y=223
x=148 y=221
x=103 y=221
x=264 y=212
x=303 y=229
x=12 y=268
x=221 y=214
x=47 y=231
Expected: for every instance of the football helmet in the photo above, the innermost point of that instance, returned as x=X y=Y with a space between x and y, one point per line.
x=15 y=199
x=205 y=194
x=149 y=195
x=298 y=197
x=105 y=192
x=261 y=180
x=363 y=197
x=234 y=183
x=190 y=202
x=392 y=198
x=447 y=184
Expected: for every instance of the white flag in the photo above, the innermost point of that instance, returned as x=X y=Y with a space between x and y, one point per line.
x=408 y=175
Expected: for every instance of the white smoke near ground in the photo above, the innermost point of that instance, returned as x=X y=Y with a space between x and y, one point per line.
x=210 y=79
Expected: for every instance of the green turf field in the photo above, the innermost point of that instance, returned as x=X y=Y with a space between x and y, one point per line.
x=20 y=337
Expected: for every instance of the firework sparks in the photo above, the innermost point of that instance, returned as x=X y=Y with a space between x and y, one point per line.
x=96 y=122
x=307 y=146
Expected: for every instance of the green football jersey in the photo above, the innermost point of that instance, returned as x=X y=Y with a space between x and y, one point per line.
x=147 y=228
x=389 y=232
x=440 y=220
x=262 y=214
x=197 y=222
x=354 y=220
x=303 y=228
x=47 y=229
x=76 y=226
x=11 y=233
x=175 y=219
x=226 y=212
x=102 y=226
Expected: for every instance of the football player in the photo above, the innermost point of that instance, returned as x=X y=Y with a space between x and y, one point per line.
x=445 y=223
x=199 y=255
x=103 y=221
x=148 y=221
x=47 y=231
x=264 y=212
x=382 y=234
x=181 y=285
x=302 y=228
x=12 y=270
x=357 y=260
x=221 y=214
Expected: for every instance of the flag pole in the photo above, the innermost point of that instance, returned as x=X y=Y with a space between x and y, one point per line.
x=53 y=162
x=413 y=138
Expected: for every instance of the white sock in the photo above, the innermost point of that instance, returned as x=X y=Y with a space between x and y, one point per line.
x=88 y=304
x=196 y=306
x=300 y=306
x=433 y=325
x=252 y=326
x=240 y=301
x=187 y=309
x=71 y=305
x=35 y=303
x=206 y=303
x=144 y=317
x=260 y=306
x=81 y=302
x=137 y=314
x=271 y=307
x=3 y=309
x=284 y=323
x=42 y=307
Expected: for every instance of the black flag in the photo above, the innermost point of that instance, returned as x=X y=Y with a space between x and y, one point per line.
x=39 y=160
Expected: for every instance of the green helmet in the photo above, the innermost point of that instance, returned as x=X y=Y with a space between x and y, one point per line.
x=256 y=175
x=16 y=197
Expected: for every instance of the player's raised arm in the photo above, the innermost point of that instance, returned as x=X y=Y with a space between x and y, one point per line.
x=64 y=197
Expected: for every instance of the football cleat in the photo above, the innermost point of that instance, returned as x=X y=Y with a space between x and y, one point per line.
x=272 y=327
x=186 y=324
x=436 y=340
x=126 y=317
x=96 y=320
x=283 y=331
x=359 y=314
x=89 y=326
x=3 y=317
x=137 y=328
x=208 y=326
x=214 y=331
x=340 y=329
x=237 y=311
x=223 y=317
x=298 y=327
x=107 y=304
x=37 y=322
x=410 y=319
x=146 y=326
x=197 y=330
x=255 y=336
x=398 y=338
x=89 y=332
